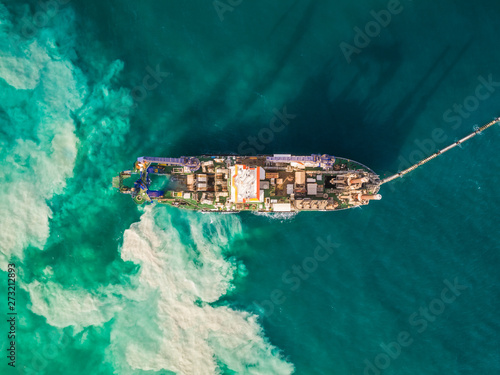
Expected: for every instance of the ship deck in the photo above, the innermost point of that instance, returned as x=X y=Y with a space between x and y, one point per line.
x=230 y=183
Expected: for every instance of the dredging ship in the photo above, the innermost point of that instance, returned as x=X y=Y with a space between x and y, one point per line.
x=264 y=183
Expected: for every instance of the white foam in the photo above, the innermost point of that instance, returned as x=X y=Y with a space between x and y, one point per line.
x=164 y=321
x=21 y=72
x=281 y=216
x=38 y=91
x=179 y=331
x=70 y=307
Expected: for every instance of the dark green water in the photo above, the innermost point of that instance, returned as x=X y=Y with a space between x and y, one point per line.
x=407 y=285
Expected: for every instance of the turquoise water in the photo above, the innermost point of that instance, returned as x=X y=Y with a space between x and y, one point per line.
x=407 y=285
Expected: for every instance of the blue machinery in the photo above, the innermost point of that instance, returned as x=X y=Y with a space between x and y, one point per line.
x=142 y=184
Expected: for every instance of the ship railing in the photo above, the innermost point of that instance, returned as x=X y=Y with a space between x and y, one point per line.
x=192 y=162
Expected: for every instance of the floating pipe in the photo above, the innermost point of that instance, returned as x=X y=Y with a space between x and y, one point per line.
x=436 y=154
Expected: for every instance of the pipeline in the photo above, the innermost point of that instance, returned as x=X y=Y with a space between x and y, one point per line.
x=436 y=154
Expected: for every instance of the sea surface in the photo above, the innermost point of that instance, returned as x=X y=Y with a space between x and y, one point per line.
x=408 y=285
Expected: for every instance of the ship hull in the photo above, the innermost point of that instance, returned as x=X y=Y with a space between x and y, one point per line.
x=264 y=183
